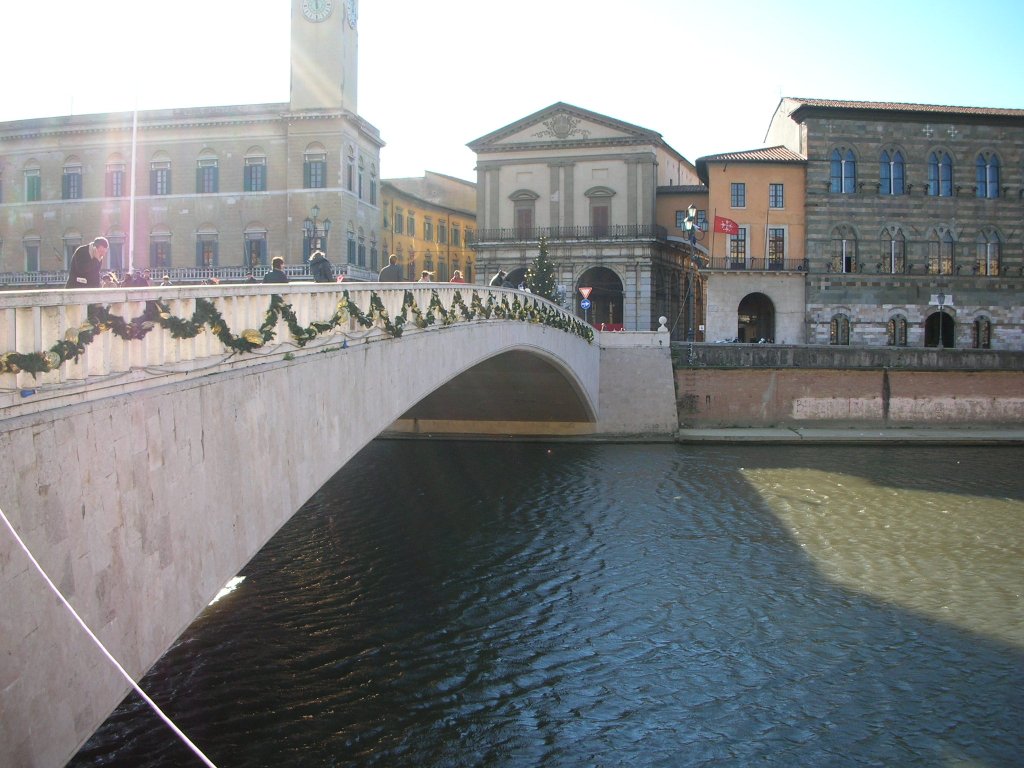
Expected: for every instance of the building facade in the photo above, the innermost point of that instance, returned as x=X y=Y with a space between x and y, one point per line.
x=196 y=192
x=429 y=223
x=755 y=265
x=913 y=221
x=587 y=183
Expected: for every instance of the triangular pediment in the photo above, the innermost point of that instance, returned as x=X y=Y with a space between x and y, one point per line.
x=563 y=125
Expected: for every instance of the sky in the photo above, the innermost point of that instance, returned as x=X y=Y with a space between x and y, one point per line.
x=435 y=75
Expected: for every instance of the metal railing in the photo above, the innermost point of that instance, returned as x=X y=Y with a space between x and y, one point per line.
x=534 y=234
x=727 y=264
x=185 y=275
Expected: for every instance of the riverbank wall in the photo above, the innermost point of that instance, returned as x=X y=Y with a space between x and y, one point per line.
x=756 y=386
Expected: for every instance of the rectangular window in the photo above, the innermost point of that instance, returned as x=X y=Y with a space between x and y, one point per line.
x=600 y=218
x=33 y=186
x=738 y=249
x=776 y=247
x=775 y=196
x=702 y=221
x=399 y=221
x=410 y=222
x=115 y=180
x=160 y=178
x=256 y=249
x=32 y=256
x=71 y=183
x=255 y=174
x=428 y=230
x=160 y=254
x=206 y=251
x=456 y=236
x=314 y=172
x=116 y=254
x=738 y=195
x=442 y=232
x=206 y=177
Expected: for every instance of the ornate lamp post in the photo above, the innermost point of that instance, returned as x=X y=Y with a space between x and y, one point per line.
x=316 y=232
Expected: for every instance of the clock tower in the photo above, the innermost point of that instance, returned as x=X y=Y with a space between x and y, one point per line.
x=324 y=54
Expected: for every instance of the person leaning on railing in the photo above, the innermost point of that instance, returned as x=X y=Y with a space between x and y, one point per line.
x=85 y=264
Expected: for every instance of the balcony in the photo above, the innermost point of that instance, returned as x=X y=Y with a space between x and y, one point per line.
x=612 y=232
x=727 y=264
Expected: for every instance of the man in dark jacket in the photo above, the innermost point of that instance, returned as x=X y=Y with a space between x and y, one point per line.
x=320 y=268
x=392 y=273
x=276 y=274
x=84 y=271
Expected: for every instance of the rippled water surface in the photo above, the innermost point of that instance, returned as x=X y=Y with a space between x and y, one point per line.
x=515 y=604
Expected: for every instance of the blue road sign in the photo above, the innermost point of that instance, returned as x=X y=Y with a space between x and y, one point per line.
x=585 y=304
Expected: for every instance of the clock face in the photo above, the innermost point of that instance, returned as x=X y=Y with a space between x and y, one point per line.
x=317 y=10
x=352 y=11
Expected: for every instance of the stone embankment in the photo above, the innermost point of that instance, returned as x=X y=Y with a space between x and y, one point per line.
x=827 y=394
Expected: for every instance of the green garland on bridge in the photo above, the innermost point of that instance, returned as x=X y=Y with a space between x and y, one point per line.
x=206 y=315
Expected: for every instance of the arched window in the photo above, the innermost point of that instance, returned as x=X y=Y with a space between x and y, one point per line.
x=351 y=248
x=71 y=180
x=843 y=177
x=255 y=170
x=314 y=167
x=940 y=174
x=600 y=209
x=891 y=173
x=373 y=184
x=988 y=249
x=844 y=250
x=982 y=333
x=207 y=181
x=350 y=169
x=896 y=331
x=361 y=252
x=941 y=248
x=987 y=175
x=839 y=331
x=207 y=247
x=524 y=204
x=894 y=252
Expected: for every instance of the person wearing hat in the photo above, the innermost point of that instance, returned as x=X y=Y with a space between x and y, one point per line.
x=84 y=271
x=426 y=277
x=320 y=268
x=498 y=279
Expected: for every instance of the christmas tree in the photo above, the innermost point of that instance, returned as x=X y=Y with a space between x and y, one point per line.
x=540 y=277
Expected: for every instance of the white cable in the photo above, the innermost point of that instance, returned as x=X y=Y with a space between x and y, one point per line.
x=152 y=704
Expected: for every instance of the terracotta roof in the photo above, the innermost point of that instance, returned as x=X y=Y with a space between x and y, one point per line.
x=890 y=106
x=777 y=154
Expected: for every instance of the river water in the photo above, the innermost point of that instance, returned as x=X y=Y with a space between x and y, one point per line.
x=527 y=604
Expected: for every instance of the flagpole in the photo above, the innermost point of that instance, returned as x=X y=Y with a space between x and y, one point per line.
x=714 y=228
x=766 y=210
x=131 y=191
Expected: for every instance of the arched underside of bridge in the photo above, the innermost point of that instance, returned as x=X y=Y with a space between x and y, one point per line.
x=144 y=504
x=515 y=393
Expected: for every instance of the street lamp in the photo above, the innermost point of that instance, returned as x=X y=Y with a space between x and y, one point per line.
x=315 y=231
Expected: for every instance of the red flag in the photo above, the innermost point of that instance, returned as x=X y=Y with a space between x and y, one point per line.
x=728 y=226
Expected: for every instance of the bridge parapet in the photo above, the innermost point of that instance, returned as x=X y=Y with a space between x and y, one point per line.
x=59 y=347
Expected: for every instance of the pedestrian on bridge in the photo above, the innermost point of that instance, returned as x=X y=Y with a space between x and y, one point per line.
x=457 y=277
x=276 y=273
x=426 y=277
x=392 y=273
x=498 y=279
x=84 y=270
x=320 y=268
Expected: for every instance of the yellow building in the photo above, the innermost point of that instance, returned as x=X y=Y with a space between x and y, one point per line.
x=429 y=223
x=755 y=263
x=202 y=191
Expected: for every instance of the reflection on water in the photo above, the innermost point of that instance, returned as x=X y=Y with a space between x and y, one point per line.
x=470 y=604
x=952 y=556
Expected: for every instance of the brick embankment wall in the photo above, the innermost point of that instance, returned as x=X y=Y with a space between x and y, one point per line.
x=795 y=398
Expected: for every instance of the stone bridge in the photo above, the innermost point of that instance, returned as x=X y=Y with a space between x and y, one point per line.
x=153 y=440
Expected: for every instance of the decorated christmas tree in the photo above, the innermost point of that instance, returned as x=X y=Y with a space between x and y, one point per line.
x=541 y=275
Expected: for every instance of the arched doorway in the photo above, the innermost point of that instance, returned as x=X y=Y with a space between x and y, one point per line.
x=755 y=319
x=516 y=277
x=606 y=299
x=935 y=322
